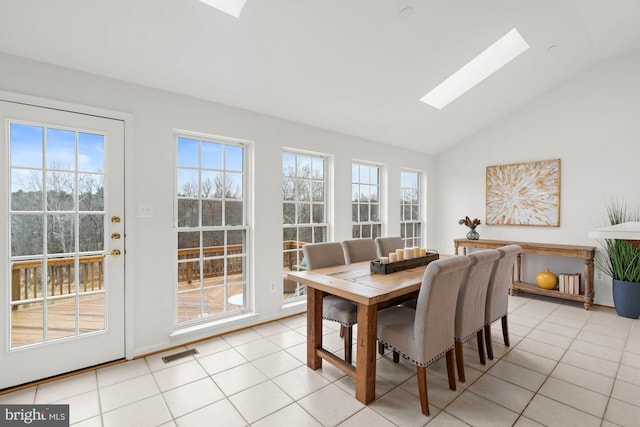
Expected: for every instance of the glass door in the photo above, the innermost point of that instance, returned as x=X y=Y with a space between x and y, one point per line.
x=62 y=245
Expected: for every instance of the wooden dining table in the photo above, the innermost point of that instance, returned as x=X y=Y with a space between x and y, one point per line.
x=370 y=292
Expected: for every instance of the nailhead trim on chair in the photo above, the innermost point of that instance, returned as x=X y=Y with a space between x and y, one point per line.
x=469 y=336
x=425 y=364
x=340 y=322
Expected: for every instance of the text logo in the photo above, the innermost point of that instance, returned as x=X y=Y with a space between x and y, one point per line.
x=34 y=415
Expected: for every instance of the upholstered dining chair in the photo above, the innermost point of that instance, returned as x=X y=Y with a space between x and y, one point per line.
x=472 y=302
x=425 y=334
x=497 y=306
x=328 y=254
x=386 y=245
x=356 y=250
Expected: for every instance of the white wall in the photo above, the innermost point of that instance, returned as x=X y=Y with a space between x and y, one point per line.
x=591 y=123
x=150 y=160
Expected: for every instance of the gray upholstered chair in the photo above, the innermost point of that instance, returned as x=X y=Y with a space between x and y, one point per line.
x=334 y=308
x=386 y=245
x=497 y=305
x=356 y=250
x=472 y=302
x=425 y=334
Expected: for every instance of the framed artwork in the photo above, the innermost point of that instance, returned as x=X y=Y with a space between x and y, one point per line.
x=524 y=194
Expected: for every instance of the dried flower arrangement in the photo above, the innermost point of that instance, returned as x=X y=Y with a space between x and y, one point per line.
x=469 y=223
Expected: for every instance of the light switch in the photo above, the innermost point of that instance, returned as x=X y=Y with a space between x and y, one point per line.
x=145 y=210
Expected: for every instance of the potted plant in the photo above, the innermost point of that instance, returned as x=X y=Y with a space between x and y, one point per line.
x=621 y=261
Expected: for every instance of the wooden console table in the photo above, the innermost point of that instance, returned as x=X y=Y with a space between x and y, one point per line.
x=587 y=253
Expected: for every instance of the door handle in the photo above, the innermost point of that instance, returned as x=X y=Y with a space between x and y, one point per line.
x=114 y=253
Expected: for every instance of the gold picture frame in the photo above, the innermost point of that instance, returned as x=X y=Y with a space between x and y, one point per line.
x=524 y=194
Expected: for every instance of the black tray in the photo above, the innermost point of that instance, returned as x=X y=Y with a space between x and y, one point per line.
x=379 y=267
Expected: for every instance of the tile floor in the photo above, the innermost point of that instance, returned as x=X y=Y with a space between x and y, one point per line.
x=565 y=367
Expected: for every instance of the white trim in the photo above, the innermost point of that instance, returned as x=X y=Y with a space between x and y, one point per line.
x=127 y=118
x=367 y=162
x=248 y=164
x=382 y=209
x=209 y=136
x=421 y=203
x=64 y=106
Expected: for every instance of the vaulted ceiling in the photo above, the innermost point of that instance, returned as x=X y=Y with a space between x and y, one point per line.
x=353 y=66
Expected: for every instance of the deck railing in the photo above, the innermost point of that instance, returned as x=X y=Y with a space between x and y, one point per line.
x=26 y=277
x=212 y=267
x=213 y=263
x=292 y=253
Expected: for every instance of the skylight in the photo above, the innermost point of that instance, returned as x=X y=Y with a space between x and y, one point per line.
x=479 y=68
x=231 y=7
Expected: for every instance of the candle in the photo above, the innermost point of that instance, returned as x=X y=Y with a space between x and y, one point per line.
x=423 y=252
x=393 y=257
x=384 y=259
x=408 y=253
x=400 y=254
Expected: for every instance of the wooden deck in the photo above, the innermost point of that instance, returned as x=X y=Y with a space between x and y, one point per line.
x=27 y=321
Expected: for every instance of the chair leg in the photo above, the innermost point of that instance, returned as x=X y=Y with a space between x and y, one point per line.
x=480 y=339
x=505 y=330
x=460 y=361
x=348 y=343
x=451 y=373
x=487 y=340
x=380 y=348
x=422 y=389
x=396 y=357
x=342 y=327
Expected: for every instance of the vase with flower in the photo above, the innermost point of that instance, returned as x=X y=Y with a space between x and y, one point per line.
x=472 y=224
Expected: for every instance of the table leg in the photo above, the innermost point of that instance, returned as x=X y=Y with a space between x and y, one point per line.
x=588 y=283
x=366 y=357
x=314 y=327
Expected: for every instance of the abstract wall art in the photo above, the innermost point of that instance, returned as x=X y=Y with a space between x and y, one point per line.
x=524 y=194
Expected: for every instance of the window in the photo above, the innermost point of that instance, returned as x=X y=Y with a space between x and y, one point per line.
x=211 y=226
x=410 y=212
x=304 y=211
x=57 y=233
x=365 y=200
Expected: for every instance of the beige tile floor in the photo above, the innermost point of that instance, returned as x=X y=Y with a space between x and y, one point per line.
x=565 y=367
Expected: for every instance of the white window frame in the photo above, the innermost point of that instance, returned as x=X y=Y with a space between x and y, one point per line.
x=368 y=223
x=247 y=198
x=416 y=220
x=297 y=261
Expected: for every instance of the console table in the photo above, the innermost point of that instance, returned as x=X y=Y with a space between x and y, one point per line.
x=587 y=253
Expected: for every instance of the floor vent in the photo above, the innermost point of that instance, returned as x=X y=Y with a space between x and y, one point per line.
x=180 y=355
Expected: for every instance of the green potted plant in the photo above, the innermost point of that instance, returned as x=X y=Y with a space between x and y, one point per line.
x=621 y=261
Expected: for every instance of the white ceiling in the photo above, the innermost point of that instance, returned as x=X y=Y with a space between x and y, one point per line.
x=352 y=66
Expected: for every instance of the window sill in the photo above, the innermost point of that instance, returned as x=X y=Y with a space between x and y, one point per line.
x=217 y=326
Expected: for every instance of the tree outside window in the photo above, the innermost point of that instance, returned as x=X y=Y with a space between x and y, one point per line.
x=365 y=201
x=410 y=211
x=304 y=211
x=211 y=227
